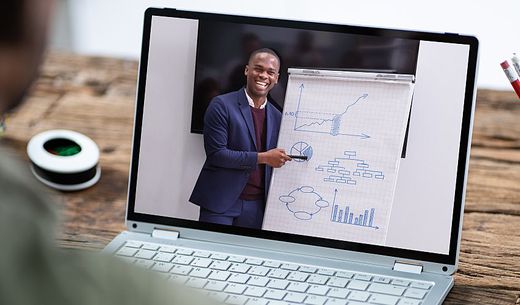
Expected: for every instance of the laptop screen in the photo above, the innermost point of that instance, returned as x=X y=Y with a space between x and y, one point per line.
x=382 y=118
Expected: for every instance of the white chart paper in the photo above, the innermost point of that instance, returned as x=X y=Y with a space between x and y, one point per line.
x=351 y=126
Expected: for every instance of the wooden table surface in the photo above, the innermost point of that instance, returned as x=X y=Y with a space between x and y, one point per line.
x=95 y=96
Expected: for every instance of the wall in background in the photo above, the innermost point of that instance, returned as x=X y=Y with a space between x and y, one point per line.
x=113 y=28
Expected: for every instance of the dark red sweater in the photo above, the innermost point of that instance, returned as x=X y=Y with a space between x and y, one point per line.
x=255 y=186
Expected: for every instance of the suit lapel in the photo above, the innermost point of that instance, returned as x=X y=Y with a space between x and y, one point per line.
x=246 y=113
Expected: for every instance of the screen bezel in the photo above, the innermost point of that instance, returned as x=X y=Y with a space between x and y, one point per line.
x=450 y=258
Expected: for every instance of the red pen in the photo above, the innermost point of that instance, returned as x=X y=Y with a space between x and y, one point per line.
x=511 y=75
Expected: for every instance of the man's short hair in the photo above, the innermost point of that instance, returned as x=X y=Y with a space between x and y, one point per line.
x=11 y=21
x=265 y=50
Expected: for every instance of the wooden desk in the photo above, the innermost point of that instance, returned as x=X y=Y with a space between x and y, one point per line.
x=95 y=96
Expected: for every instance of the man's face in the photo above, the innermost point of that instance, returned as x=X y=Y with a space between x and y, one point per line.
x=262 y=74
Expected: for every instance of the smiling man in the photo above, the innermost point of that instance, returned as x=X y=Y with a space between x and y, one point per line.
x=240 y=135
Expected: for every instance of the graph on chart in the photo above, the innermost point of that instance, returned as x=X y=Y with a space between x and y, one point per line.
x=301 y=149
x=347 y=216
x=325 y=122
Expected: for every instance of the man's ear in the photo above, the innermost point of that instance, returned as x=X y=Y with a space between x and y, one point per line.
x=246 y=69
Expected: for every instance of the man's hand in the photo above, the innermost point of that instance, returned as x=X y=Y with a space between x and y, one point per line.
x=275 y=157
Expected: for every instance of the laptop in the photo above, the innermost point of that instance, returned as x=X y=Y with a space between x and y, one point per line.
x=385 y=228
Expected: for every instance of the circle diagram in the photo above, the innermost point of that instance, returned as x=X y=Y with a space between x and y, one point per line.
x=301 y=149
x=304 y=202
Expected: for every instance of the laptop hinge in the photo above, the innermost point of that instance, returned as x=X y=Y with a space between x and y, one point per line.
x=165 y=234
x=407 y=267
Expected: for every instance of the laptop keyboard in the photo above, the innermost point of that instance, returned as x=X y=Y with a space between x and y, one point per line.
x=244 y=280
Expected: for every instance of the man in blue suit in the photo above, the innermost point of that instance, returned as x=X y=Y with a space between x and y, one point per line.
x=240 y=136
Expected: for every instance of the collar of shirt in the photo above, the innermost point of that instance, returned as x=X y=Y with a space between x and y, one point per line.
x=250 y=101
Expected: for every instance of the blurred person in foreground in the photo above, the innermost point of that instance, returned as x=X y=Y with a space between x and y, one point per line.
x=33 y=270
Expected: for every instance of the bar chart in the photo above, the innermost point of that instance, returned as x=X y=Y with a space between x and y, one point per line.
x=347 y=216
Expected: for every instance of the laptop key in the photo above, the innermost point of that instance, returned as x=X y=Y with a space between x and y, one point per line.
x=219 y=256
x=215 y=285
x=338 y=282
x=297 y=276
x=200 y=272
x=204 y=254
x=181 y=269
x=298 y=287
x=183 y=251
x=388 y=289
x=182 y=259
x=163 y=257
x=278 y=284
x=308 y=269
x=196 y=282
x=126 y=251
x=324 y=271
x=274 y=294
x=361 y=296
x=236 y=300
x=162 y=267
x=181 y=279
x=420 y=285
x=272 y=264
x=340 y=302
x=381 y=279
x=167 y=249
x=257 y=301
x=401 y=282
x=201 y=262
x=239 y=278
x=220 y=265
x=133 y=244
x=318 y=289
x=148 y=246
x=345 y=274
x=144 y=263
x=315 y=300
x=254 y=261
x=259 y=270
x=258 y=281
x=145 y=254
x=255 y=291
x=288 y=266
x=278 y=273
x=382 y=299
x=219 y=275
x=235 y=288
x=240 y=268
x=415 y=293
x=236 y=259
x=363 y=277
x=295 y=297
x=358 y=285
x=341 y=293
x=317 y=279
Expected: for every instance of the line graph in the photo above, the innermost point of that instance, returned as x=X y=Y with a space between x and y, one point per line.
x=324 y=122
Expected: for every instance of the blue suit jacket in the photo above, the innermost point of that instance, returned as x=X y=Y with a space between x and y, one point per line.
x=231 y=154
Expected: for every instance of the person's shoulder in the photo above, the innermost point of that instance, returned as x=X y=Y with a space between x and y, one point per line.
x=231 y=96
x=227 y=99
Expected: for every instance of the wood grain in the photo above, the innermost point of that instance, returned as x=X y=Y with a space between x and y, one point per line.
x=95 y=96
